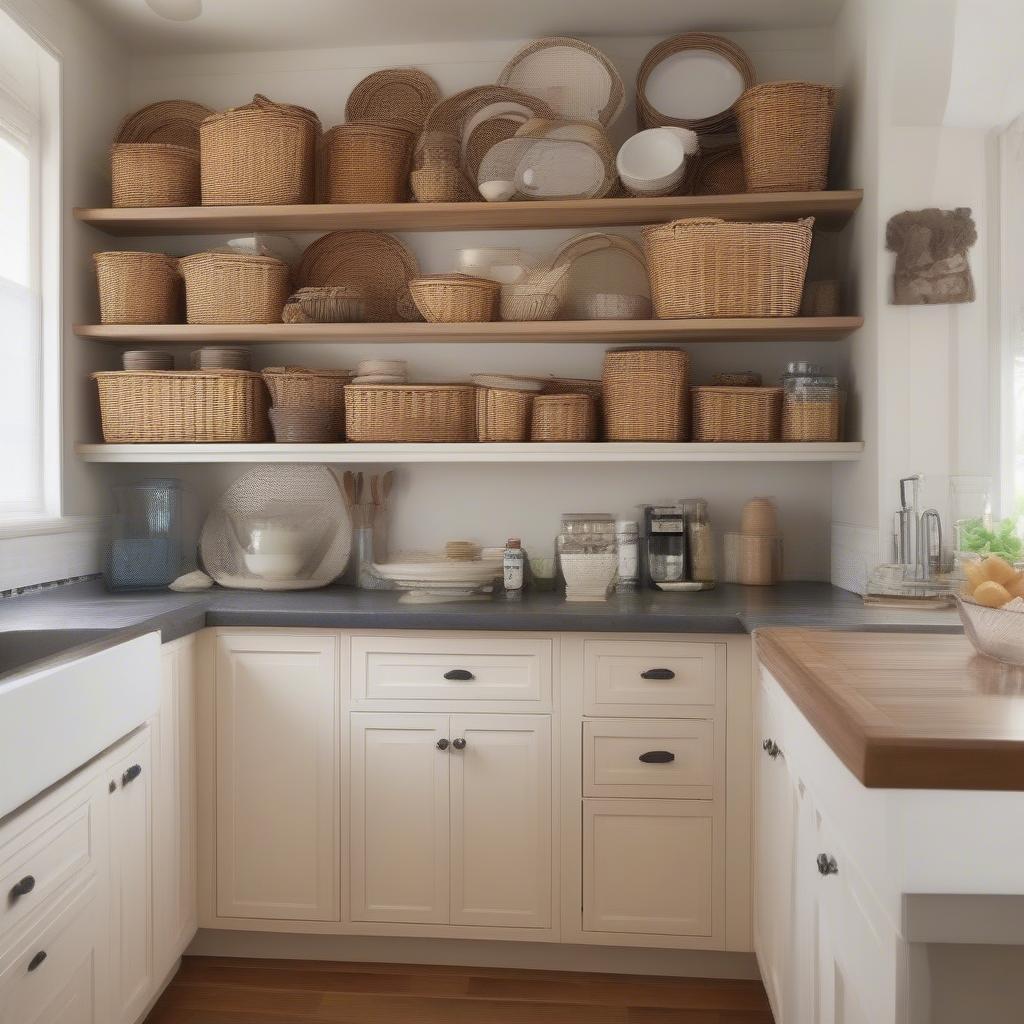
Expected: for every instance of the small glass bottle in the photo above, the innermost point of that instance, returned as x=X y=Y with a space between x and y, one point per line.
x=627 y=532
x=513 y=565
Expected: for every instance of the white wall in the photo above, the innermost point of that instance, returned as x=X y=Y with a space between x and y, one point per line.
x=435 y=503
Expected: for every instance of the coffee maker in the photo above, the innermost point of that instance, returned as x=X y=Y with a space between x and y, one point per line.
x=664 y=545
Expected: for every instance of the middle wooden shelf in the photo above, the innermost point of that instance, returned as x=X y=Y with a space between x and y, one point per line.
x=546 y=331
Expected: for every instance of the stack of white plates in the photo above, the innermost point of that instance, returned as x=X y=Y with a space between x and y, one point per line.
x=212 y=358
x=145 y=359
x=382 y=371
x=442 y=576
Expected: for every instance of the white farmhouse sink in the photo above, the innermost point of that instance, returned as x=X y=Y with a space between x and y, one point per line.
x=56 y=717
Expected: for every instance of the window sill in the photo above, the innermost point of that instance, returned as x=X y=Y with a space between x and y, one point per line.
x=46 y=549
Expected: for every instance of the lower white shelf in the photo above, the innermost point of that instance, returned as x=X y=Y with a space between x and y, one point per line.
x=606 y=451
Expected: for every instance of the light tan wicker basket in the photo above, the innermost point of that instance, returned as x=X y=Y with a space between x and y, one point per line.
x=153 y=174
x=234 y=288
x=455 y=298
x=538 y=295
x=138 y=288
x=719 y=173
x=325 y=305
x=503 y=415
x=410 y=412
x=262 y=153
x=364 y=162
x=705 y=267
x=645 y=394
x=736 y=414
x=182 y=407
x=785 y=131
x=568 y=417
x=807 y=419
x=295 y=387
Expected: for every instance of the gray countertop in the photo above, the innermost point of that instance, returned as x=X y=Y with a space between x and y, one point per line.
x=727 y=609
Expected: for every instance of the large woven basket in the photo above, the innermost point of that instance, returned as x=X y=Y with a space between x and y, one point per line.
x=785 y=131
x=262 y=153
x=704 y=267
x=153 y=174
x=410 y=412
x=234 y=288
x=736 y=414
x=138 y=288
x=645 y=394
x=295 y=387
x=182 y=407
x=569 y=417
x=503 y=415
x=365 y=163
x=456 y=298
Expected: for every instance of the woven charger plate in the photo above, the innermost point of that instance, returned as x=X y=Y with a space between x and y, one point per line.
x=600 y=263
x=403 y=95
x=172 y=121
x=372 y=262
x=576 y=79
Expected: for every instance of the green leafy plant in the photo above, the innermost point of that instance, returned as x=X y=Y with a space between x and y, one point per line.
x=1002 y=540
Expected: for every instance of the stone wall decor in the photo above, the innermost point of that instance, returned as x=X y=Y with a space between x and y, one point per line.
x=931 y=256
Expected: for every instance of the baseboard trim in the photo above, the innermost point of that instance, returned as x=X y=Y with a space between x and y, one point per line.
x=673 y=963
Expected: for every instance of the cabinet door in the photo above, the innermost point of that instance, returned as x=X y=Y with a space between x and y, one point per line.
x=501 y=820
x=276 y=740
x=131 y=883
x=399 y=823
x=652 y=867
x=174 y=807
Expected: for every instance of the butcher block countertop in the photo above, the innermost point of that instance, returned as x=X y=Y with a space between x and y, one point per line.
x=905 y=710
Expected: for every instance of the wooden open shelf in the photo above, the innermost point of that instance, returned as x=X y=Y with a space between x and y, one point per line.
x=552 y=331
x=599 y=452
x=831 y=210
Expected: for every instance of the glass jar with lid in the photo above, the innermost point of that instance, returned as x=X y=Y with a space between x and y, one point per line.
x=700 y=541
x=812 y=404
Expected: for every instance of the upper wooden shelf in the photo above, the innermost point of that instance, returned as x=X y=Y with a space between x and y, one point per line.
x=830 y=209
x=803 y=328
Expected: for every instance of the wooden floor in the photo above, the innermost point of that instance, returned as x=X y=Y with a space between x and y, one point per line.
x=226 y=991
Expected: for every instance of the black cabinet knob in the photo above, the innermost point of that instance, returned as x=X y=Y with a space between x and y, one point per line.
x=442 y=744
x=827 y=864
x=459 y=744
x=23 y=887
x=658 y=673
x=37 y=960
x=458 y=673
x=771 y=748
x=131 y=774
x=658 y=757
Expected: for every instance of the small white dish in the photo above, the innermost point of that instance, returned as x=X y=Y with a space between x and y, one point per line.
x=655 y=160
x=681 y=586
x=497 y=191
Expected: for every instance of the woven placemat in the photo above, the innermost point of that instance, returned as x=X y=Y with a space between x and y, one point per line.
x=172 y=121
x=402 y=95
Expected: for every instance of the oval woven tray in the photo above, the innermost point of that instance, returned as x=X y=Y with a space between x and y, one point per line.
x=405 y=95
x=172 y=121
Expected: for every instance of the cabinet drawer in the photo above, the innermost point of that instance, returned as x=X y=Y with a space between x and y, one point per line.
x=641 y=678
x=643 y=758
x=651 y=867
x=458 y=669
x=44 y=856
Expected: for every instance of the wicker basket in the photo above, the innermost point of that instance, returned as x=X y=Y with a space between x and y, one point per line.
x=325 y=305
x=645 y=394
x=304 y=426
x=820 y=298
x=182 y=407
x=785 y=131
x=234 y=288
x=456 y=298
x=805 y=419
x=138 y=288
x=410 y=412
x=153 y=174
x=719 y=173
x=503 y=415
x=262 y=153
x=294 y=387
x=570 y=417
x=736 y=414
x=538 y=295
x=365 y=163
x=706 y=267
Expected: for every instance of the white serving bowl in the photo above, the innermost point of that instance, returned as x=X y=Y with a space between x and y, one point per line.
x=654 y=160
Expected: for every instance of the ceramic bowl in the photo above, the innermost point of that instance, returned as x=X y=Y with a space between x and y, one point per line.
x=653 y=161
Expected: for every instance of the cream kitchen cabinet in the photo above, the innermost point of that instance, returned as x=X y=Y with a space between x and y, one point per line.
x=451 y=819
x=276 y=755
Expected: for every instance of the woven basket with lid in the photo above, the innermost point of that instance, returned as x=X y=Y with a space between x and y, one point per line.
x=261 y=153
x=153 y=174
x=705 y=267
x=364 y=162
x=138 y=288
x=410 y=412
x=234 y=288
x=645 y=394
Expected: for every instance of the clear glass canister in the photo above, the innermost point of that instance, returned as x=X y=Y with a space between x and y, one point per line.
x=812 y=404
x=627 y=533
x=700 y=540
x=146 y=543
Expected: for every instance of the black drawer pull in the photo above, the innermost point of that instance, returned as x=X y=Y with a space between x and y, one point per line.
x=458 y=673
x=37 y=960
x=22 y=888
x=658 y=673
x=132 y=774
x=827 y=864
x=459 y=744
x=442 y=744
x=658 y=757
x=771 y=748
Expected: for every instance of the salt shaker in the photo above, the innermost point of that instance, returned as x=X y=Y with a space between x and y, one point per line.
x=513 y=564
x=627 y=533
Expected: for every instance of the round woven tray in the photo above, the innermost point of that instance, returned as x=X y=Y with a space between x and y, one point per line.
x=736 y=414
x=234 y=288
x=455 y=298
x=138 y=288
x=404 y=95
x=566 y=417
x=372 y=262
x=645 y=394
x=503 y=415
x=175 y=122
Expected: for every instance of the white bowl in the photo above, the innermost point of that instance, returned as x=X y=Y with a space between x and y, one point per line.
x=655 y=160
x=282 y=565
x=497 y=191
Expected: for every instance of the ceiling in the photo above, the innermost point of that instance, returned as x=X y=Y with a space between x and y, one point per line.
x=242 y=25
